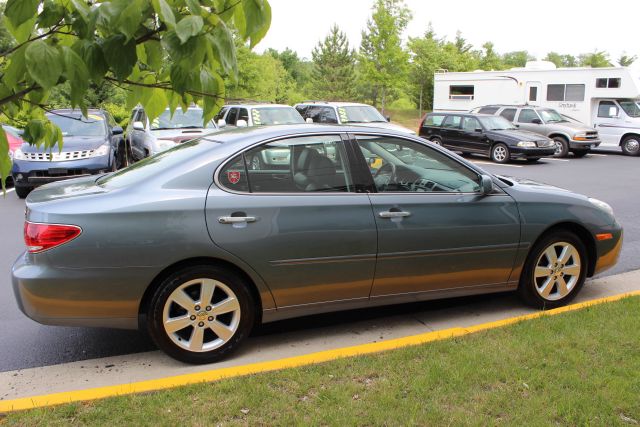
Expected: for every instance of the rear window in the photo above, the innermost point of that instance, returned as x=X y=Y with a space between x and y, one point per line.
x=434 y=120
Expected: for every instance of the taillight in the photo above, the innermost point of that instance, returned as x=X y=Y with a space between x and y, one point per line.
x=39 y=237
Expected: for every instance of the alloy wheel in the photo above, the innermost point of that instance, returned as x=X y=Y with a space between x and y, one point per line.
x=499 y=153
x=632 y=145
x=201 y=315
x=557 y=271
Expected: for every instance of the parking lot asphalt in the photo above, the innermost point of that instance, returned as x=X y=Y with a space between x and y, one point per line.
x=25 y=344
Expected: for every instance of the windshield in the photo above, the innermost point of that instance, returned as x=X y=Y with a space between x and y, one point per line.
x=632 y=108
x=496 y=123
x=72 y=124
x=360 y=114
x=144 y=169
x=180 y=120
x=276 y=116
x=551 y=116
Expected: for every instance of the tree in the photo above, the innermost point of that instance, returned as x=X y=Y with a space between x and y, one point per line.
x=517 y=58
x=162 y=52
x=296 y=67
x=333 y=75
x=625 y=60
x=594 y=60
x=561 y=61
x=489 y=59
x=383 y=61
x=6 y=41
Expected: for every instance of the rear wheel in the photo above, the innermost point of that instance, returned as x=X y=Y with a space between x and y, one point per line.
x=500 y=153
x=200 y=314
x=562 y=146
x=436 y=140
x=631 y=145
x=23 y=192
x=554 y=271
x=580 y=153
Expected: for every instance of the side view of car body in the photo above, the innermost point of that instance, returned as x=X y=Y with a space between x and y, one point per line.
x=487 y=135
x=196 y=247
x=91 y=145
x=146 y=138
x=569 y=136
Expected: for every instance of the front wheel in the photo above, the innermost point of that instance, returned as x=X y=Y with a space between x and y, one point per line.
x=562 y=147
x=436 y=141
x=631 y=145
x=554 y=271
x=200 y=314
x=580 y=153
x=500 y=153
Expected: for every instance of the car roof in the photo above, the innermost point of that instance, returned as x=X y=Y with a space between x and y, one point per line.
x=460 y=113
x=257 y=106
x=334 y=103
x=513 y=106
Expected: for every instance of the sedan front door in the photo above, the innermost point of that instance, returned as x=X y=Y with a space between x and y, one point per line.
x=299 y=222
x=435 y=230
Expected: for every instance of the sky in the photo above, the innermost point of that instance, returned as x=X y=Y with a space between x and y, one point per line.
x=563 y=26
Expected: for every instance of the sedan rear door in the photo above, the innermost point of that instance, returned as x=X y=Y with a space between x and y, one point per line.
x=296 y=218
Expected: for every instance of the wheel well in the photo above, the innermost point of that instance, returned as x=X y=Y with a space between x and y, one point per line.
x=627 y=135
x=583 y=234
x=559 y=135
x=148 y=293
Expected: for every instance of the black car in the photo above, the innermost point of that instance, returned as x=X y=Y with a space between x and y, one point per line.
x=483 y=134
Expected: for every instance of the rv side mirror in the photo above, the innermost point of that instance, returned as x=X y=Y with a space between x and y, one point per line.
x=536 y=121
x=613 y=112
x=486 y=185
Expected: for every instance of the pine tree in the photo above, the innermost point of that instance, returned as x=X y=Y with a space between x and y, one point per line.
x=333 y=76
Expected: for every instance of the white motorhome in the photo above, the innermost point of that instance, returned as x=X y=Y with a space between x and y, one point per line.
x=607 y=99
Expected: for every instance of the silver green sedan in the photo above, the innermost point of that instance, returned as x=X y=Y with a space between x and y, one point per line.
x=198 y=244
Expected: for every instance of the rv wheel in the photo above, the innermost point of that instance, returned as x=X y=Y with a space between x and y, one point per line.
x=631 y=145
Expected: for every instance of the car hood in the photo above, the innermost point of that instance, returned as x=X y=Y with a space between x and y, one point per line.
x=570 y=127
x=386 y=125
x=517 y=135
x=69 y=143
x=181 y=135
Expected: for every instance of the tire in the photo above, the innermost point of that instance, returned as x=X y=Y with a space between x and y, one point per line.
x=532 y=289
x=631 y=145
x=23 y=192
x=532 y=159
x=500 y=153
x=562 y=146
x=194 y=339
x=580 y=153
x=436 y=140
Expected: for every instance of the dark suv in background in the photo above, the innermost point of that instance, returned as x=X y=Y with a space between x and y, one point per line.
x=491 y=136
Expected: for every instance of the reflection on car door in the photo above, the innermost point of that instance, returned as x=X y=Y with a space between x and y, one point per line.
x=435 y=231
x=299 y=223
x=450 y=131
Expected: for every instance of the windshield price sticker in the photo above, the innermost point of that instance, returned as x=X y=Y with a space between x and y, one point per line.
x=343 y=115
x=255 y=114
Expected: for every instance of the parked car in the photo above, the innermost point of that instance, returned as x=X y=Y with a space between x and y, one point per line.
x=347 y=113
x=14 y=138
x=196 y=248
x=249 y=115
x=568 y=135
x=146 y=138
x=487 y=135
x=91 y=145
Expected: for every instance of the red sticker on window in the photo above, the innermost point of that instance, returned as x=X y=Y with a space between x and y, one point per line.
x=233 y=177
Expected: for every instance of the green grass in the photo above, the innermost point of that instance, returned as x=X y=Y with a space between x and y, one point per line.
x=405 y=117
x=578 y=368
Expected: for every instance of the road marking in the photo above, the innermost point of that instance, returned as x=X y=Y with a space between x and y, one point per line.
x=9 y=190
x=290 y=362
x=556 y=160
x=495 y=164
x=598 y=155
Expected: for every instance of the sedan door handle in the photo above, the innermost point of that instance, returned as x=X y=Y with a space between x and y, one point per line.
x=394 y=214
x=236 y=219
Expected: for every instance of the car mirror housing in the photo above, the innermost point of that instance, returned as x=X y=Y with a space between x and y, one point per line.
x=387 y=118
x=613 y=112
x=486 y=184
x=117 y=130
x=222 y=123
x=308 y=120
x=536 y=121
x=241 y=123
x=479 y=130
x=138 y=126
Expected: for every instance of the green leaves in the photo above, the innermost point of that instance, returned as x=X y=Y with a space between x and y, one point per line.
x=165 y=12
x=43 y=63
x=120 y=54
x=223 y=48
x=213 y=90
x=189 y=27
x=92 y=55
x=5 y=162
x=20 y=11
x=156 y=103
x=77 y=74
x=257 y=17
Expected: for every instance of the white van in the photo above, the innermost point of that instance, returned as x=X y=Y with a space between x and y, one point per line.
x=607 y=99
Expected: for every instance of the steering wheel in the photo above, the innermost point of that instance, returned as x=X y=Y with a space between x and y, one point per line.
x=388 y=169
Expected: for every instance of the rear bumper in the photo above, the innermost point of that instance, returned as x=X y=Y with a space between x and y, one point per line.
x=32 y=174
x=528 y=153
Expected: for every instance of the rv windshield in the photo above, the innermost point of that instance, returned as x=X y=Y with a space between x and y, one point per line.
x=551 y=116
x=630 y=107
x=496 y=123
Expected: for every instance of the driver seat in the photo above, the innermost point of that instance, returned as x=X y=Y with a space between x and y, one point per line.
x=314 y=172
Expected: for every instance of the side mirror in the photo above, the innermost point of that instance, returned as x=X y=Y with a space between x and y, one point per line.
x=221 y=123
x=536 y=121
x=613 y=112
x=387 y=118
x=138 y=126
x=479 y=130
x=486 y=185
x=117 y=130
x=516 y=125
x=308 y=120
x=241 y=123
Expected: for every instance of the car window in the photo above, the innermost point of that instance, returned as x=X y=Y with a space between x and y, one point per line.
x=302 y=109
x=434 y=120
x=232 y=117
x=400 y=165
x=293 y=165
x=328 y=115
x=243 y=115
x=470 y=124
x=488 y=110
x=220 y=114
x=313 y=112
x=452 y=122
x=75 y=124
x=234 y=175
x=604 y=109
x=527 y=115
x=509 y=114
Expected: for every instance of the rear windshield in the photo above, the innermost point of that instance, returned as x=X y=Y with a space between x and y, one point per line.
x=75 y=124
x=144 y=169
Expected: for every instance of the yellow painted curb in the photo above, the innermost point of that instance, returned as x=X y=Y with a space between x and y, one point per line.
x=290 y=362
